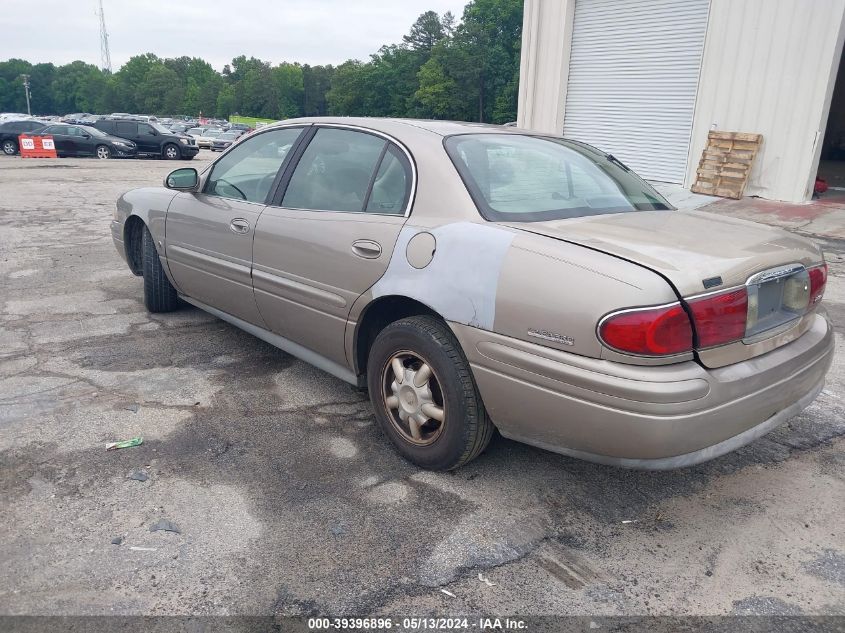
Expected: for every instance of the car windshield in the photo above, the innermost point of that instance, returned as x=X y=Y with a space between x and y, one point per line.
x=522 y=178
x=196 y=131
x=92 y=130
x=213 y=133
x=228 y=136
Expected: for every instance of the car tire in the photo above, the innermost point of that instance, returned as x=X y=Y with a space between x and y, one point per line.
x=448 y=391
x=102 y=152
x=159 y=293
x=171 y=152
x=10 y=148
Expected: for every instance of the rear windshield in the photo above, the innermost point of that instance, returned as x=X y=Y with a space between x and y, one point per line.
x=520 y=178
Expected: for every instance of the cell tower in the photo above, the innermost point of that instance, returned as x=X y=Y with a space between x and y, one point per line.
x=105 y=55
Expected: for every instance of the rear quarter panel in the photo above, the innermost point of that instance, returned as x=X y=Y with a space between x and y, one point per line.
x=548 y=287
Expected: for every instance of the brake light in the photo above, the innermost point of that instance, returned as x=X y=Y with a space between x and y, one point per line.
x=662 y=331
x=818 y=281
x=721 y=318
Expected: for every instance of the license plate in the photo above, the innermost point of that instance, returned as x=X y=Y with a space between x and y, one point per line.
x=776 y=298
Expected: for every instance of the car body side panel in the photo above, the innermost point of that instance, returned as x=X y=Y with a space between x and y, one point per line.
x=306 y=276
x=208 y=260
x=552 y=293
x=460 y=281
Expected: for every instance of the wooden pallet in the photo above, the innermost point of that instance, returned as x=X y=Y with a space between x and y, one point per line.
x=726 y=164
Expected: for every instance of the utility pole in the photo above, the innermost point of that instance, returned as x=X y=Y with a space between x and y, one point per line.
x=26 y=89
x=105 y=55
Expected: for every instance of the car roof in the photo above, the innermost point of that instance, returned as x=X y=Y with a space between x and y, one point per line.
x=393 y=125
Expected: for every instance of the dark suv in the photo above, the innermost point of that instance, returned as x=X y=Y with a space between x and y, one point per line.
x=11 y=130
x=151 y=138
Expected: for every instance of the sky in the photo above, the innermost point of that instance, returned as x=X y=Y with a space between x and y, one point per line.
x=306 y=31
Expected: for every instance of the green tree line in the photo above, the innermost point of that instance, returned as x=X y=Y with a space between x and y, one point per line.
x=443 y=69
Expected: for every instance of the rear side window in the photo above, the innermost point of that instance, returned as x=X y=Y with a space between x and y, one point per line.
x=392 y=184
x=348 y=171
x=522 y=178
x=127 y=128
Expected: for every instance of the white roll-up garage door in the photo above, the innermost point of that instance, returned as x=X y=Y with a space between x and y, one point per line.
x=633 y=77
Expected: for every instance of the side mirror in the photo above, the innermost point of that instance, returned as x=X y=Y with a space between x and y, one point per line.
x=185 y=179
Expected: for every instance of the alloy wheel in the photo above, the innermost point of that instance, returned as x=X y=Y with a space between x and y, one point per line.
x=171 y=152
x=9 y=148
x=413 y=398
x=103 y=152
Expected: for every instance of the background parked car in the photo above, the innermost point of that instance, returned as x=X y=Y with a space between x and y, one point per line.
x=223 y=141
x=151 y=138
x=205 y=136
x=83 y=140
x=10 y=131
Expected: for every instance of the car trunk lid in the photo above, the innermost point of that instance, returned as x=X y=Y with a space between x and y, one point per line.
x=697 y=252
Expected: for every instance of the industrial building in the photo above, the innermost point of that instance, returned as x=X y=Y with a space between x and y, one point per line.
x=646 y=80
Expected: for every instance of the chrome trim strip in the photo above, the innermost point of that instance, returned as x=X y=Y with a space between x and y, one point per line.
x=774 y=273
x=713 y=293
x=273 y=284
x=294 y=349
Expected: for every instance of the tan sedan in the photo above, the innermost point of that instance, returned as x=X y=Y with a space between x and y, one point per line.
x=478 y=277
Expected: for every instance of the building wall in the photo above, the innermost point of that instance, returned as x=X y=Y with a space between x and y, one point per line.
x=769 y=67
x=544 y=65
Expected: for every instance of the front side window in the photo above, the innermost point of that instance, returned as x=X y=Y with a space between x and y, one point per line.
x=247 y=172
x=522 y=178
x=335 y=171
x=145 y=130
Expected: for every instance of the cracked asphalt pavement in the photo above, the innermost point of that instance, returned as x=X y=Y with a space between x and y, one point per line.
x=286 y=499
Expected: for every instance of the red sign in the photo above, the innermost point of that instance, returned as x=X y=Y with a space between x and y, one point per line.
x=36 y=146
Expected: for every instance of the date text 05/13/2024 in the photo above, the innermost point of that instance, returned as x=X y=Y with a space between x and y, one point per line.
x=416 y=624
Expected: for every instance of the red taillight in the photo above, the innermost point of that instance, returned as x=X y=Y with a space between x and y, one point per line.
x=720 y=319
x=818 y=280
x=650 y=332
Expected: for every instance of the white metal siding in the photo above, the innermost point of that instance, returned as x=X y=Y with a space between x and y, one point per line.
x=769 y=68
x=633 y=77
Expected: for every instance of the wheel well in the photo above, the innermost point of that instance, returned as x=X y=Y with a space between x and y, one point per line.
x=377 y=316
x=133 y=232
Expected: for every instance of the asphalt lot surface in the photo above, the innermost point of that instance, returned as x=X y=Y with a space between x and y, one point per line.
x=288 y=500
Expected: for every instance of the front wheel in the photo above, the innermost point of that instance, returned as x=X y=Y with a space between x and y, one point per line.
x=424 y=396
x=103 y=152
x=171 y=152
x=159 y=293
x=10 y=148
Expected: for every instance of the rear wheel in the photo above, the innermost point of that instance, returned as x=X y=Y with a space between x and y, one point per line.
x=103 y=152
x=10 y=148
x=171 y=152
x=424 y=396
x=159 y=293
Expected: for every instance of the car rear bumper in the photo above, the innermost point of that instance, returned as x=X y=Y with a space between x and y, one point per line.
x=651 y=417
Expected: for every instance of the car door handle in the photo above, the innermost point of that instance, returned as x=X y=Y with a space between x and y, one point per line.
x=368 y=249
x=239 y=225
